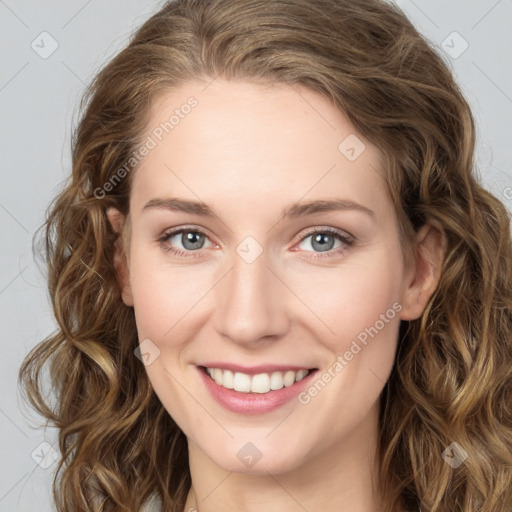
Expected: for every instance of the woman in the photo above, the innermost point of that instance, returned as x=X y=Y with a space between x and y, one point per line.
x=278 y=283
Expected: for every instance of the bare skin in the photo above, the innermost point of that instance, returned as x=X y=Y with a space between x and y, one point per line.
x=249 y=151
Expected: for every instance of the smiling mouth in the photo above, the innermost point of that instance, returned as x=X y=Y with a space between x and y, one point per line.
x=260 y=383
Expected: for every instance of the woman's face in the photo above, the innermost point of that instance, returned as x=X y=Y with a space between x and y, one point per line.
x=289 y=260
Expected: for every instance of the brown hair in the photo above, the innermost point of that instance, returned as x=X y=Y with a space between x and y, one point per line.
x=452 y=379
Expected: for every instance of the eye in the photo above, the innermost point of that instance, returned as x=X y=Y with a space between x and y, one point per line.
x=324 y=241
x=191 y=240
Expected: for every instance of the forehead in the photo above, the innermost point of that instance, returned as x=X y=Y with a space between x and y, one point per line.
x=247 y=141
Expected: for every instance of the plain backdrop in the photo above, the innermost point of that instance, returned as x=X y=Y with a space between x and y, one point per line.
x=49 y=51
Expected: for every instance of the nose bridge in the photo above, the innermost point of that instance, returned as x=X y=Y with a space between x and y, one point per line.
x=250 y=302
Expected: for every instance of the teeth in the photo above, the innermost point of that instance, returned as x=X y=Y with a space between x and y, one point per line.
x=260 y=383
x=218 y=376
x=241 y=382
x=300 y=375
x=289 y=378
x=228 y=379
x=276 y=381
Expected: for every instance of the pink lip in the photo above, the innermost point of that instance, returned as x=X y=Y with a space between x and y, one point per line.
x=254 y=370
x=252 y=403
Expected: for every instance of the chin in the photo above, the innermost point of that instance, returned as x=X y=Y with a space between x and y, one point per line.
x=256 y=458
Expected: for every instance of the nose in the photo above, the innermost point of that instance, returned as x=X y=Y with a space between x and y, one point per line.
x=250 y=304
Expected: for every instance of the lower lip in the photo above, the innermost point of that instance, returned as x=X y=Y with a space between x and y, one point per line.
x=253 y=403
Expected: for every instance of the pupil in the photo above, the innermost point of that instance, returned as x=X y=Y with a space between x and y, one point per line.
x=194 y=239
x=320 y=238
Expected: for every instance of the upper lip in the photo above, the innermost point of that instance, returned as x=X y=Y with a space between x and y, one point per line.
x=254 y=370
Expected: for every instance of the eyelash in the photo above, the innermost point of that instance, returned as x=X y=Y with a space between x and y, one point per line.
x=346 y=240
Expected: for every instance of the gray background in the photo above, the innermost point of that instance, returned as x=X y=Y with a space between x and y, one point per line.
x=38 y=105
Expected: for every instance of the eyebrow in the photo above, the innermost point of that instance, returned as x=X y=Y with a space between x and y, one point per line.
x=293 y=211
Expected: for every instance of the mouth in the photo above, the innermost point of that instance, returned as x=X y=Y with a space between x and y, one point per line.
x=261 y=383
x=257 y=390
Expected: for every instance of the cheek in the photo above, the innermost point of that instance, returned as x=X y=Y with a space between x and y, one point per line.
x=166 y=302
x=353 y=296
x=167 y=298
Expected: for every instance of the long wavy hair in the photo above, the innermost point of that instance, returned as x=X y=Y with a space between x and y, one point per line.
x=452 y=378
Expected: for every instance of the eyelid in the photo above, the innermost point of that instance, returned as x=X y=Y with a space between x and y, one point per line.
x=347 y=241
x=172 y=232
x=327 y=229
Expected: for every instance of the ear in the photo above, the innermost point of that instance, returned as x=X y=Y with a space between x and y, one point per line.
x=423 y=273
x=117 y=221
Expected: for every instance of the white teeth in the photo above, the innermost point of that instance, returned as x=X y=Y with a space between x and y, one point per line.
x=227 y=380
x=218 y=375
x=241 y=382
x=300 y=375
x=276 y=381
x=289 y=378
x=260 y=383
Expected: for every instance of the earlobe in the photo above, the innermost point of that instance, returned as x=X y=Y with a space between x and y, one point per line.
x=423 y=274
x=117 y=221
